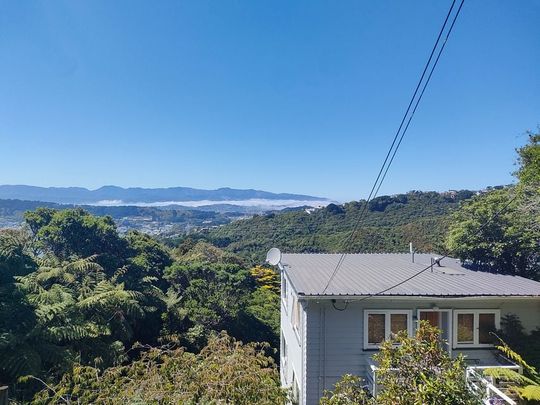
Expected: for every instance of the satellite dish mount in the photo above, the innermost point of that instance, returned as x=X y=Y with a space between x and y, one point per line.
x=273 y=256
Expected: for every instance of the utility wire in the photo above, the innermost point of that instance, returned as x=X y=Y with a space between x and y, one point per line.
x=484 y=225
x=390 y=155
x=420 y=97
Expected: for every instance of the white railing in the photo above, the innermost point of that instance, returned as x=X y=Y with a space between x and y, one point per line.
x=484 y=387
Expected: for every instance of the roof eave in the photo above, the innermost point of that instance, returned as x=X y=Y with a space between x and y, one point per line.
x=356 y=297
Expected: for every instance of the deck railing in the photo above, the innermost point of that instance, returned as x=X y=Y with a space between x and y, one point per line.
x=484 y=386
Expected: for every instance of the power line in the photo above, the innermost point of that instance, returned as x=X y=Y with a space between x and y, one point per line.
x=485 y=224
x=393 y=147
x=420 y=97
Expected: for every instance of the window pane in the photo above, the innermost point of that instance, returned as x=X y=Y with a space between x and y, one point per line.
x=376 y=329
x=465 y=328
x=398 y=322
x=431 y=316
x=486 y=324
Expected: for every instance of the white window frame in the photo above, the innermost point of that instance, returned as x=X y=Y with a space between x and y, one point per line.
x=387 y=323
x=476 y=326
x=284 y=365
x=450 y=344
x=284 y=291
x=296 y=316
x=295 y=387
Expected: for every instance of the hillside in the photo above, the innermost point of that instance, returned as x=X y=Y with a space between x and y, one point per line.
x=151 y=220
x=137 y=195
x=390 y=223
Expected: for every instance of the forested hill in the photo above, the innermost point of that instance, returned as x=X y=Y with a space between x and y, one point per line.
x=389 y=224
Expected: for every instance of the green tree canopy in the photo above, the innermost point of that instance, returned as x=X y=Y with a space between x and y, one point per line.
x=499 y=231
x=224 y=372
x=76 y=233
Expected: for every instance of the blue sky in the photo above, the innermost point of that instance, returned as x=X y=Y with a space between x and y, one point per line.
x=301 y=96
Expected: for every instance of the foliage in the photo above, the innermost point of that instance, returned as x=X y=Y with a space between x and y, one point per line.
x=76 y=233
x=225 y=371
x=59 y=307
x=204 y=252
x=527 y=344
x=390 y=223
x=347 y=391
x=506 y=245
x=78 y=309
x=266 y=278
x=213 y=297
x=20 y=351
x=526 y=385
x=528 y=172
x=509 y=243
x=417 y=370
x=264 y=306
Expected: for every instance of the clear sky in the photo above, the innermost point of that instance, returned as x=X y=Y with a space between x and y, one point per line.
x=285 y=96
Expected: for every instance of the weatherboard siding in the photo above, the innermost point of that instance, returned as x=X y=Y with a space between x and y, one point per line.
x=334 y=339
x=295 y=347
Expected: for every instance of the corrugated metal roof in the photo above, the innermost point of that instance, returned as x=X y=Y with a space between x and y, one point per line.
x=367 y=274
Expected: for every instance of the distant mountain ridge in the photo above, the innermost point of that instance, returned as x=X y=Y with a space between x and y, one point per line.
x=131 y=195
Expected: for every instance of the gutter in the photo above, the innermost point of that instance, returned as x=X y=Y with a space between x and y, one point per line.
x=353 y=298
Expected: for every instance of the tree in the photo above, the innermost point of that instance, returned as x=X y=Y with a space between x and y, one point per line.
x=499 y=231
x=266 y=278
x=348 y=391
x=224 y=372
x=526 y=385
x=212 y=298
x=528 y=172
x=74 y=233
x=494 y=241
x=79 y=309
x=20 y=350
x=204 y=252
x=417 y=370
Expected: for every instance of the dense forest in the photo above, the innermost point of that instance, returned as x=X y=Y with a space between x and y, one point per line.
x=389 y=224
x=89 y=315
x=74 y=292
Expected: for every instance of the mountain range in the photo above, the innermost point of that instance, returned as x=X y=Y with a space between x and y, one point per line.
x=117 y=196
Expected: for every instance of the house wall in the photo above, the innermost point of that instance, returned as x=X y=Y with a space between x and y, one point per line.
x=335 y=339
x=293 y=363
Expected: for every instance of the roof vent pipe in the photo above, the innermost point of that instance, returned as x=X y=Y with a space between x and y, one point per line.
x=411 y=250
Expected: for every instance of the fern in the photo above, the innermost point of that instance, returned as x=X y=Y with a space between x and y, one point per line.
x=508 y=374
x=512 y=355
x=528 y=387
x=530 y=392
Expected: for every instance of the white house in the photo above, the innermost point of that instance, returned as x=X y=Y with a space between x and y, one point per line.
x=330 y=331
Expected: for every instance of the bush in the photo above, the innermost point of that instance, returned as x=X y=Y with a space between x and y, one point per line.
x=417 y=370
x=224 y=372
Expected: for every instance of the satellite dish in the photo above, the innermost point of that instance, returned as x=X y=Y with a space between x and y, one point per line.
x=273 y=256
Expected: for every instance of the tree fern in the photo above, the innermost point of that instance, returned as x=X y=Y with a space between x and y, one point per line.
x=526 y=386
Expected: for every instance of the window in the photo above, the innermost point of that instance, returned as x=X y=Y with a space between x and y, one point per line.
x=284 y=358
x=379 y=325
x=295 y=389
x=296 y=313
x=283 y=287
x=474 y=327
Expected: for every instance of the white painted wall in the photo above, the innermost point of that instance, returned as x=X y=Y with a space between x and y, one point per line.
x=294 y=362
x=334 y=339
